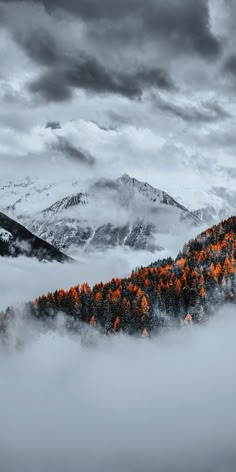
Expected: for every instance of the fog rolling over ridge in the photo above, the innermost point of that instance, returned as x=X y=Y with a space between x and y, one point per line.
x=165 y=404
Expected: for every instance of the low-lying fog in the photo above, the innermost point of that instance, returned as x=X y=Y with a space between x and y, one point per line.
x=124 y=404
x=23 y=279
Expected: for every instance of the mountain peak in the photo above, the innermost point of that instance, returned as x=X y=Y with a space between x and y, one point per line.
x=132 y=181
x=153 y=194
x=125 y=178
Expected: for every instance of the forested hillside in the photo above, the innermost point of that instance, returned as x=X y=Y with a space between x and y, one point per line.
x=181 y=290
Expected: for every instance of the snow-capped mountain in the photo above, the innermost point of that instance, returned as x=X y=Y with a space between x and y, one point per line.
x=150 y=193
x=131 y=187
x=16 y=240
x=65 y=204
x=31 y=195
x=144 y=213
x=127 y=212
x=210 y=206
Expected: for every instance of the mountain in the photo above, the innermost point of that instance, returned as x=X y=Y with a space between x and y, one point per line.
x=30 y=196
x=152 y=194
x=146 y=213
x=27 y=196
x=65 y=204
x=16 y=240
x=66 y=232
x=167 y=292
x=210 y=206
x=124 y=212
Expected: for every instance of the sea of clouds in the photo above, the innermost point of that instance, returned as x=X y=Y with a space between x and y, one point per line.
x=119 y=403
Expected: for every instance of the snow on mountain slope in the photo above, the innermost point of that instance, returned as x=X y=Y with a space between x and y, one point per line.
x=227 y=194
x=152 y=194
x=131 y=186
x=65 y=204
x=211 y=206
x=32 y=195
x=133 y=214
x=126 y=212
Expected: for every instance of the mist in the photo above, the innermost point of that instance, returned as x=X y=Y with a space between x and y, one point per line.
x=26 y=278
x=160 y=404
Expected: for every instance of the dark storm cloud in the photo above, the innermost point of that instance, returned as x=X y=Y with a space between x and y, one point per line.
x=230 y=65
x=51 y=87
x=53 y=125
x=206 y=112
x=67 y=149
x=68 y=72
x=57 y=84
x=42 y=48
x=112 y=30
x=184 y=22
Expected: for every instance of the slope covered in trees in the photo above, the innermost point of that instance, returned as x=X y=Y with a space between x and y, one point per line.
x=184 y=289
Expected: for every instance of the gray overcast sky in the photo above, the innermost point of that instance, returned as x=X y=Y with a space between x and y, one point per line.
x=146 y=88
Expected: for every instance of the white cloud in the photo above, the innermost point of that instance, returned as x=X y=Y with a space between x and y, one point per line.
x=25 y=279
x=163 y=404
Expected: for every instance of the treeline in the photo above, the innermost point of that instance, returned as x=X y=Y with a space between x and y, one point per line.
x=181 y=290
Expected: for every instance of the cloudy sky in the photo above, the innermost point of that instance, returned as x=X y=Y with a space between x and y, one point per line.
x=105 y=87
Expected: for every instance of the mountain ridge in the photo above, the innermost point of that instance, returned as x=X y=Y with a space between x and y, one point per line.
x=153 y=193
x=16 y=240
x=64 y=230
x=67 y=224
